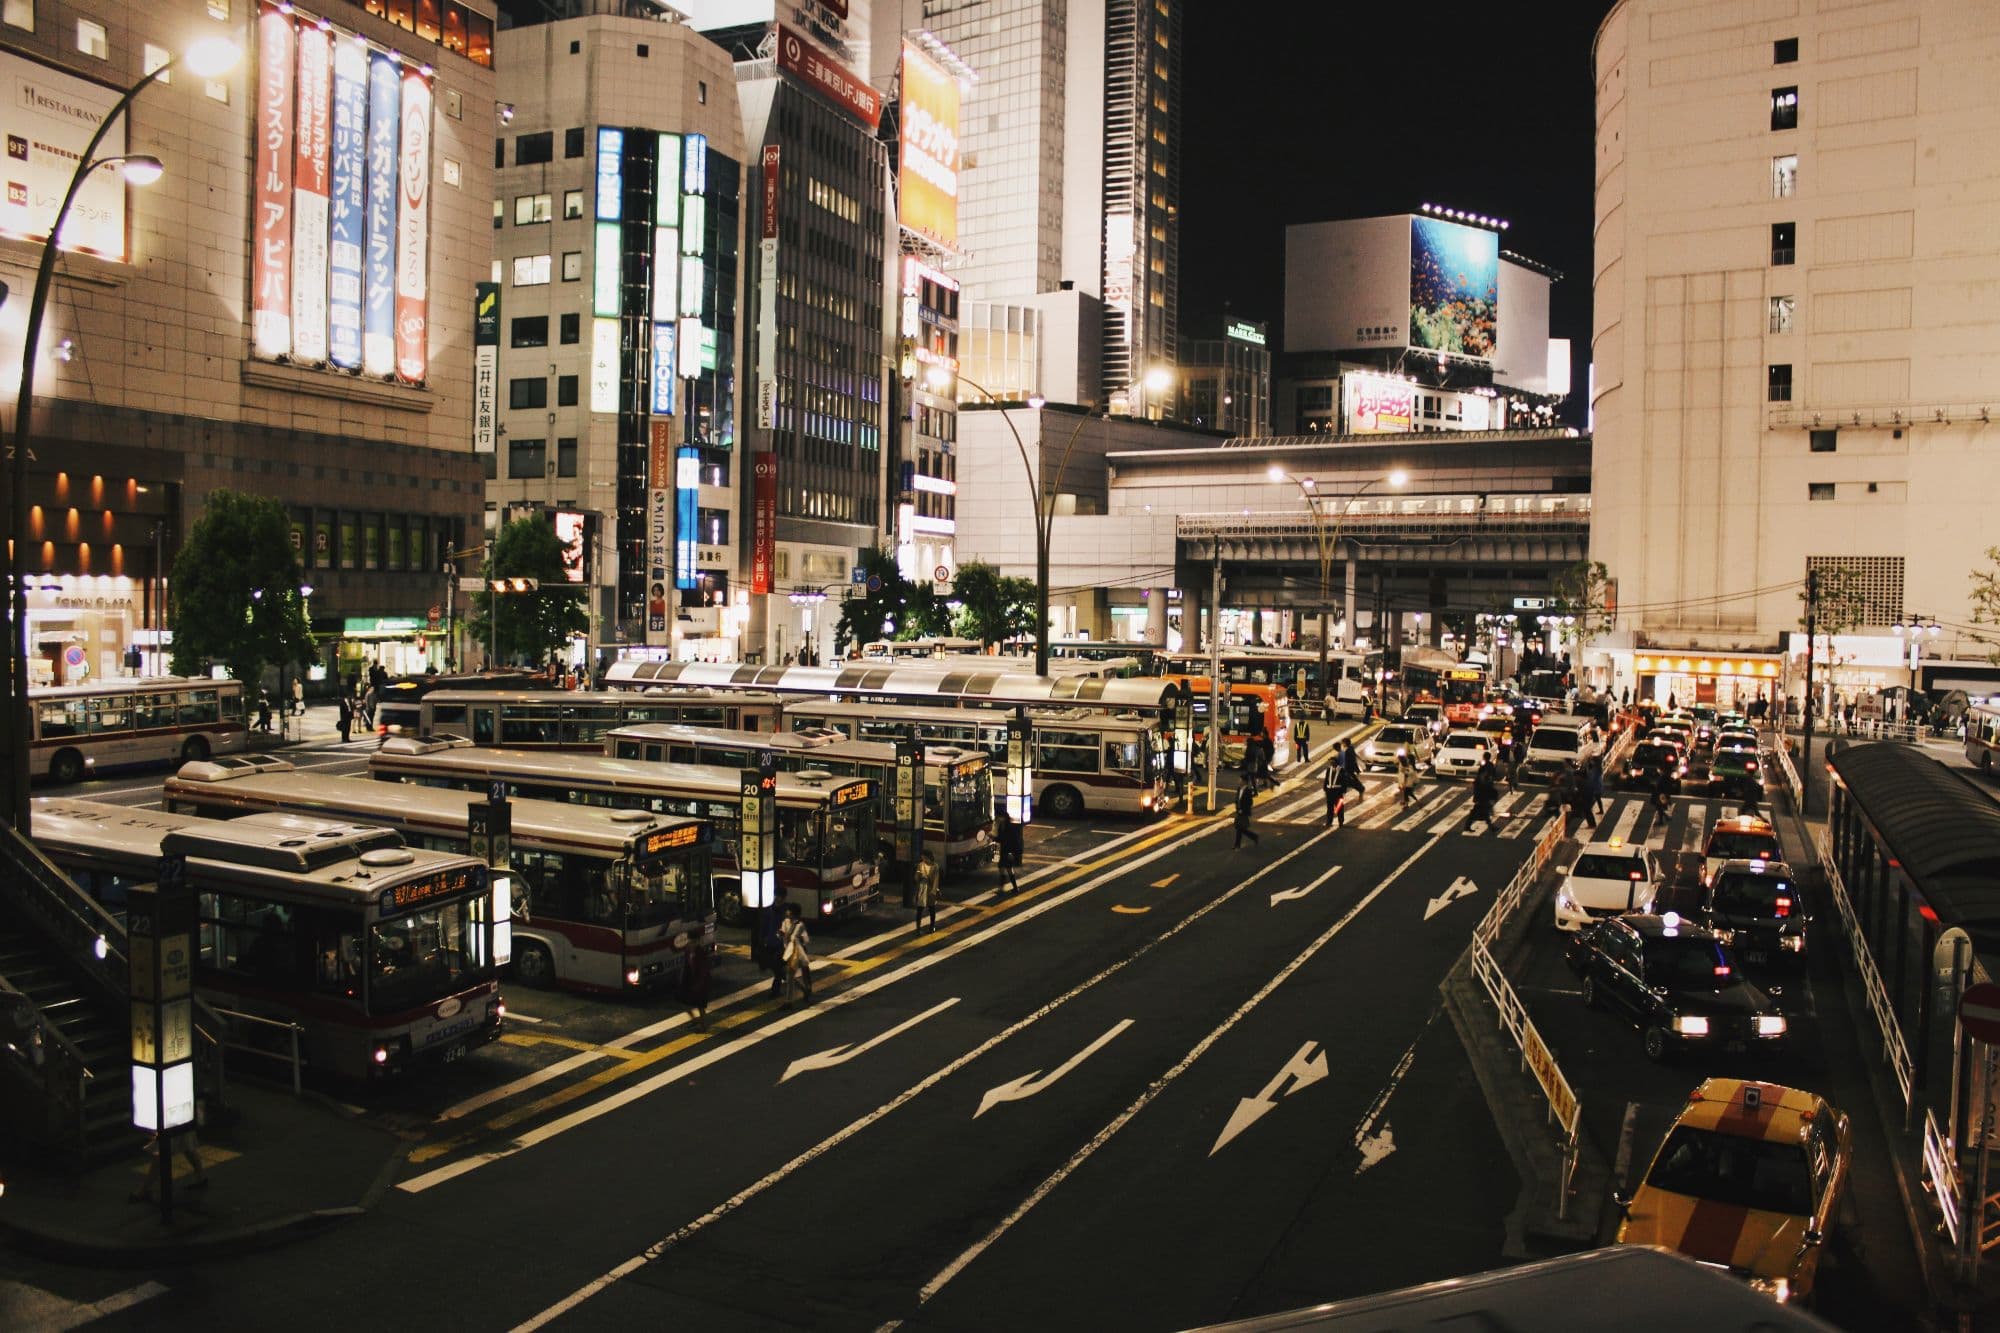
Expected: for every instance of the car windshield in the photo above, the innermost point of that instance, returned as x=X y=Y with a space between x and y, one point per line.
x=1602 y=865
x=1652 y=752
x=1395 y=736
x=1465 y=740
x=1753 y=895
x=1742 y=846
x=1555 y=738
x=1688 y=963
x=1770 y=1175
x=1496 y=725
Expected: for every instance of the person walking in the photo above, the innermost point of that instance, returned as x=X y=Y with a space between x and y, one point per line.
x=1406 y=779
x=770 y=942
x=927 y=889
x=1593 y=778
x=1350 y=771
x=263 y=712
x=696 y=969
x=1245 y=799
x=1305 y=739
x=797 y=954
x=1485 y=790
x=1008 y=834
x=298 y=697
x=1267 y=747
x=368 y=698
x=345 y=711
x=1663 y=790
x=1333 y=786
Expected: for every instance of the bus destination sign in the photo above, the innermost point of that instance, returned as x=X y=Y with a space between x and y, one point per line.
x=431 y=888
x=687 y=835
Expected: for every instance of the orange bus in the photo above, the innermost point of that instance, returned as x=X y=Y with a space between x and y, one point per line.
x=1245 y=708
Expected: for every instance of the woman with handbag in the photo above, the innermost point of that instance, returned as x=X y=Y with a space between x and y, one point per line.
x=796 y=956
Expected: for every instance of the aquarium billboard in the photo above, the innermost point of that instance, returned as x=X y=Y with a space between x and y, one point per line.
x=1454 y=288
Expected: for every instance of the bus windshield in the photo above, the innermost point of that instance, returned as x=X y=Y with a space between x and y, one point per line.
x=971 y=799
x=659 y=889
x=850 y=836
x=1126 y=756
x=419 y=957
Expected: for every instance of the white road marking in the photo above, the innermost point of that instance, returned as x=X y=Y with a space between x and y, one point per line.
x=1306 y=1067
x=1462 y=887
x=840 y=1136
x=841 y=1054
x=1028 y=1085
x=1160 y=1084
x=1376 y=1146
x=1429 y=806
x=30 y=1307
x=1621 y=828
x=1287 y=895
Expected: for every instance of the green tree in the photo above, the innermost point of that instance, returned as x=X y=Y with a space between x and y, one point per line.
x=992 y=607
x=1986 y=597
x=234 y=593
x=532 y=625
x=1838 y=606
x=895 y=609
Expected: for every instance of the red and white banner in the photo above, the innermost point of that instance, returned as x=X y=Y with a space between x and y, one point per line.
x=271 y=226
x=310 y=190
x=413 y=231
x=829 y=78
x=770 y=229
x=764 y=520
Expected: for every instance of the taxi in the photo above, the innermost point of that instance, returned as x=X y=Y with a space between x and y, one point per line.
x=1738 y=837
x=1748 y=1178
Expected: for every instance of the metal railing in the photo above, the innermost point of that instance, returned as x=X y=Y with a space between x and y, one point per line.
x=291 y=1031
x=1509 y=898
x=1894 y=1050
x=1363 y=526
x=1536 y=1058
x=1941 y=1172
x=1789 y=771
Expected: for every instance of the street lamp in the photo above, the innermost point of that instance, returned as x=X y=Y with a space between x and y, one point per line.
x=809 y=601
x=1327 y=544
x=1915 y=628
x=208 y=58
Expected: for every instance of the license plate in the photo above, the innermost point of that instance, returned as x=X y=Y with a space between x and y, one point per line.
x=455 y=1051
x=1755 y=956
x=1734 y=1047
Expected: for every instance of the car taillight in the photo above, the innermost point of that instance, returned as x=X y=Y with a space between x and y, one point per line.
x=1784 y=907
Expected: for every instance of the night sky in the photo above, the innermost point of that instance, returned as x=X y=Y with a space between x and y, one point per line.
x=1306 y=112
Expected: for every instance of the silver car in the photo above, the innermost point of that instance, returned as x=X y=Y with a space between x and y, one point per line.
x=1390 y=743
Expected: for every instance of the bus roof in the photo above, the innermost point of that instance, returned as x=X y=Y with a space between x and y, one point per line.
x=791 y=742
x=626 y=697
x=992 y=716
x=995 y=686
x=129 y=685
x=256 y=781
x=567 y=768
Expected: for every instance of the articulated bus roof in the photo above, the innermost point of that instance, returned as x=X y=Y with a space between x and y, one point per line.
x=591 y=771
x=906 y=681
x=258 y=782
x=788 y=742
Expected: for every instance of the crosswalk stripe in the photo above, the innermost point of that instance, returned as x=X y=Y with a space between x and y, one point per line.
x=1429 y=806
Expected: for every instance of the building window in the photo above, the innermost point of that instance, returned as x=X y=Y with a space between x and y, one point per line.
x=644 y=51
x=1778 y=382
x=531 y=270
x=566 y=391
x=90 y=39
x=1819 y=490
x=573 y=142
x=530 y=149
x=572 y=328
x=528 y=393
x=1781 y=314
x=529 y=331
x=19 y=14
x=572 y=204
x=572 y=269
x=499 y=215
x=566 y=457
x=1824 y=441
x=527 y=458
x=1784 y=108
x=1785 y=176
x=1878 y=579
x=701 y=91
x=155 y=57
x=712 y=527
x=1784 y=238
x=532 y=208
x=1785 y=51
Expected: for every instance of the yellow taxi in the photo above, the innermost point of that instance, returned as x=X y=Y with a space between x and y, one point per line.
x=1749 y=1179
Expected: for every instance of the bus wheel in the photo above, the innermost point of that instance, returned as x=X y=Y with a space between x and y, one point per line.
x=533 y=966
x=195 y=750
x=1064 y=802
x=66 y=767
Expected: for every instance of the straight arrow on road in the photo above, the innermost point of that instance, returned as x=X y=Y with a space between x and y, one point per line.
x=1287 y=895
x=840 y=1055
x=1030 y=1084
x=1460 y=888
x=1305 y=1068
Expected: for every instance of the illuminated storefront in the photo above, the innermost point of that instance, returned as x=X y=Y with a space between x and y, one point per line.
x=1727 y=680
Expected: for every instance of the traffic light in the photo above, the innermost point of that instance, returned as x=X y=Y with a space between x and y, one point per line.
x=516 y=585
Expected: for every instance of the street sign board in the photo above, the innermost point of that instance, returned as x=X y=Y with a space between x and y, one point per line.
x=857 y=575
x=1530 y=603
x=1979 y=1011
x=471 y=583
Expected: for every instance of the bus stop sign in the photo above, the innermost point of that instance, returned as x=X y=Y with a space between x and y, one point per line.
x=1979 y=1012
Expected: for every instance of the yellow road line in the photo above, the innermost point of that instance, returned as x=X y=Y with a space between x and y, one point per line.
x=1129 y=911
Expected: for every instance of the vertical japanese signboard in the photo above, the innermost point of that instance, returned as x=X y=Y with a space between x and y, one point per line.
x=687 y=515
x=764 y=520
x=271 y=226
x=767 y=295
x=659 y=528
x=310 y=188
x=927 y=171
x=378 y=336
x=348 y=223
x=757 y=852
x=485 y=365
x=413 y=232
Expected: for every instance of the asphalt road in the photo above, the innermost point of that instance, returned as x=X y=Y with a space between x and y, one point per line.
x=1170 y=1083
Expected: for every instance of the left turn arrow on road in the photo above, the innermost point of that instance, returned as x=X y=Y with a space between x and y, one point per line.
x=840 y=1055
x=1030 y=1084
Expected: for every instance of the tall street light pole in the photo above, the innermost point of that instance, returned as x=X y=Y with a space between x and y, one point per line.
x=1327 y=545
x=209 y=58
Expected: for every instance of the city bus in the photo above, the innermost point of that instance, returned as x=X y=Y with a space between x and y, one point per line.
x=1297 y=669
x=79 y=729
x=1246 y=709
x=1083 y=760
x=384 y=955
x=1460 y=689
x=397 y=711
x=1141 y=659
x=958 y=784
x=578 y=720
x=826 y=845
x=995 y=682
x=918 y=649
x=1982 y=737
x=600 y=896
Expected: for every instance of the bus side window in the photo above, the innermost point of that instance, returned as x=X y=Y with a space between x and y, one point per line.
x=628 y=749
x=60 y=719
x=482 y=726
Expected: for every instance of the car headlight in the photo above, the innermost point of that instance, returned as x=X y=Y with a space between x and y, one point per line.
x=1691 y=1027
x=1792 y=943
x=1565 y=903
x=1771 y=1025
x=1777 y=1288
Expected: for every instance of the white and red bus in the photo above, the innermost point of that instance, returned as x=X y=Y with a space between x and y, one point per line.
x=826 y=845
x=80 y=729
x=578 y=720
x=384 y=955
x=601 y=896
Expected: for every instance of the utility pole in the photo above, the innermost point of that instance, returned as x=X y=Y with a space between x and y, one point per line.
x=1214 y=673
x=1805 y=746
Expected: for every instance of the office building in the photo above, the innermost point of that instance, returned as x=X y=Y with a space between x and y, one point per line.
x=1226 y=382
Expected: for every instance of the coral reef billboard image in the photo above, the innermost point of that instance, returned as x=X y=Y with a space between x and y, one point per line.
x=1454 y=288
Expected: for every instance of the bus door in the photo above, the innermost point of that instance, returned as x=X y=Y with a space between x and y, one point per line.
x=485 y=724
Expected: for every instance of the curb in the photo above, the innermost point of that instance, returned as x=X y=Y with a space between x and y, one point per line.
x=70 y=1247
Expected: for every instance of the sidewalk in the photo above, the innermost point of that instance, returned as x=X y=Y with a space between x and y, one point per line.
x=279 y=1167
x=320 y=725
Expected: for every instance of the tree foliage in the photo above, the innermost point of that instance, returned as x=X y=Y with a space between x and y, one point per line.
x=532 y=625
x=1986 y=595
x=894 y=608
x=992 y=607
x=235 y=592
x=1585 y=591
x=1838 y=605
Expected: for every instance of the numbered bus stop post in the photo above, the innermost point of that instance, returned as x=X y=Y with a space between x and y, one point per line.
x=490 y=837
x=1020 y=768
x=909 y=813
x=160 y=929
x=757 y=837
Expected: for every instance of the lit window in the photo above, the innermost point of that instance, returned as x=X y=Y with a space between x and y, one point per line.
x=572 y=204
x=1781 y=314
x=1785 y=176
x=1784 y=108
x=532 y=208
x=19 y=14
x=572 y=266
x=90 y=39
x=156 y=57
x=531 y=270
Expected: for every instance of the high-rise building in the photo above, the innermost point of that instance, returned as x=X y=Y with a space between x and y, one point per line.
x=1226 y=381
x=617 y=226
x=286 y=310
x=1794 y=353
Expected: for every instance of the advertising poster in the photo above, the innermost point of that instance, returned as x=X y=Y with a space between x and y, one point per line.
x=604 y=365
x=927 y=170
x=348 y=226
x=663 y=370
x=687 y=516
x=49 y=117
x=413 y=232
x=378 y=327
x=485 y=365
x=1454 y=288
x=310 y=187
x=271 y=226
x=1377 y=404
x=829 y=78
x=659 y=529
x=764 y=521
x=767 y=294
x=573 y=531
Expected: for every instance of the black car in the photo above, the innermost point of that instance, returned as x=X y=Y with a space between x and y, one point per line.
x=1677 y=982
x=1649 y=759
x=1737 y=772
x=1756 y=908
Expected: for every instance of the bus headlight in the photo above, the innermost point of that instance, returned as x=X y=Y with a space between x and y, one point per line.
x=631 y=976
x=826 y=907
x=1695 y=1026
x=381 y=1055
x=1771 y=1025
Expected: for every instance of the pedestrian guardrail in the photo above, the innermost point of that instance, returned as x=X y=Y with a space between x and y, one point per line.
x=1790 y=772
x=1517 y=888
x=1537 y=1059
x=1894 y=1050
x=1941 y=1172
x=285 y=1032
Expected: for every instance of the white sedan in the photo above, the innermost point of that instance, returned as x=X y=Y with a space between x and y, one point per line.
x=1392 y=742
x=1461 y=754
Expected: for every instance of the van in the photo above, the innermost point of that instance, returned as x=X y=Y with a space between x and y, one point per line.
x=1564 y=738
